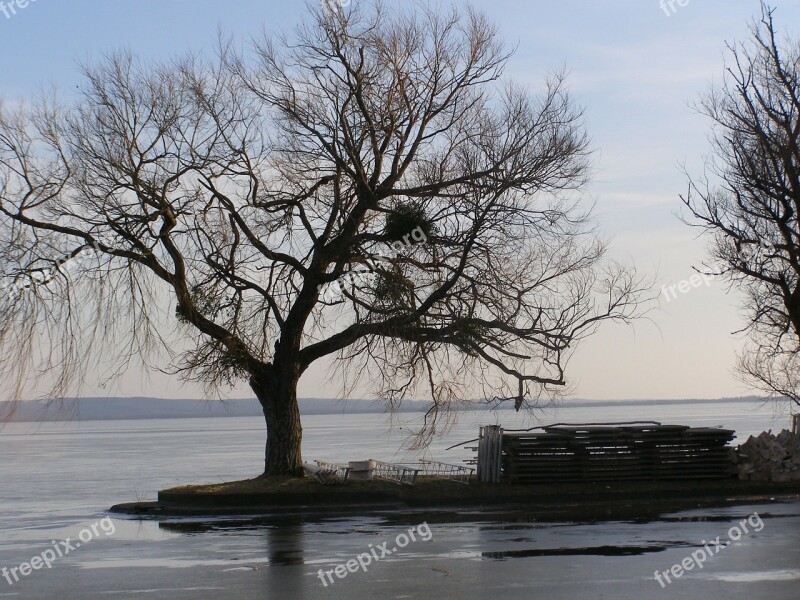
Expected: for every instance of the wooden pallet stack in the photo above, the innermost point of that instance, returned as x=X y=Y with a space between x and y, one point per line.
x=573 y=453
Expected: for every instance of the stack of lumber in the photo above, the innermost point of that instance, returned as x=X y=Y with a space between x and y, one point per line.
x=770 y=457
x=617 y=453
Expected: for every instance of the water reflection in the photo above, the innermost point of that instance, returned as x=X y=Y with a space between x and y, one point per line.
x=283 y=541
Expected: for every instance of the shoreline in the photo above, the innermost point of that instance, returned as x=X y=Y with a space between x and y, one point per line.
x=592 y=501
x=93 y=408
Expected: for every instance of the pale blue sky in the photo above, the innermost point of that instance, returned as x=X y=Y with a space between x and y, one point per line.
x=635 y=69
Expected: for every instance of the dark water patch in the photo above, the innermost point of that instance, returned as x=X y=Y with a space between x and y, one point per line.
x=585 y=551
x=726 y=518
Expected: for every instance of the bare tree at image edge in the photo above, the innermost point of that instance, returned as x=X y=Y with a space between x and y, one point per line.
x=243 y=188
x=752 y=214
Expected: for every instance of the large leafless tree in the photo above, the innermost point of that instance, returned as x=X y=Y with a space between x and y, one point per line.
x=751 y=207
x=247 y=189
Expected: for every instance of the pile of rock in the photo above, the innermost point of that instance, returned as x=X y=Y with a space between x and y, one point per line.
x=770 y=457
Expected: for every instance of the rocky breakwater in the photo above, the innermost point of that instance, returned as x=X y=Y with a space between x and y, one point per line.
x=770 y=457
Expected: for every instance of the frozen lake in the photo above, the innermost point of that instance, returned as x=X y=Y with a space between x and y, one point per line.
x=58 y=479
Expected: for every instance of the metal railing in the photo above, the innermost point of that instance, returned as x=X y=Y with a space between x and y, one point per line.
x=328 y=473
x=458 y=473
x=403 y=474
x=399 y=474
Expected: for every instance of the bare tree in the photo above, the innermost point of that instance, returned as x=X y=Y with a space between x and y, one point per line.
x=752 y=214
x=251 y=188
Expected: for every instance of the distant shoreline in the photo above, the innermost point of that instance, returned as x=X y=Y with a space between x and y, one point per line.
x=129 y=409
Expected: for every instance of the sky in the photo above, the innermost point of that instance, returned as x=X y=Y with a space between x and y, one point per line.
x=637 y=67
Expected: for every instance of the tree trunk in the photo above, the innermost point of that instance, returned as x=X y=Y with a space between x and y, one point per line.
x=276 y=390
